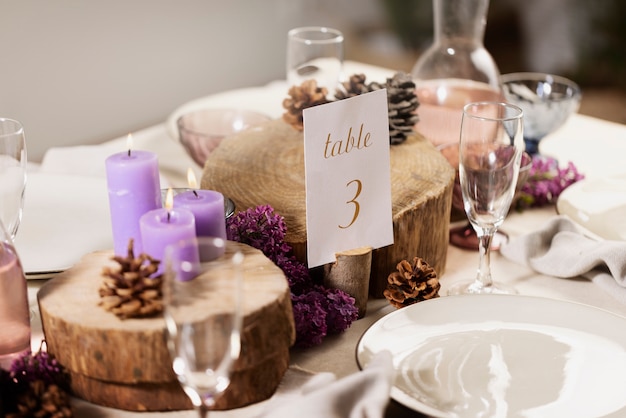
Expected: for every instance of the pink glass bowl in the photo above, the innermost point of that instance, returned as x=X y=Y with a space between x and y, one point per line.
x=201 y=131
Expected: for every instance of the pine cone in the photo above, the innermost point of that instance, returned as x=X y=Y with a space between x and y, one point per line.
x=402 y=101
x=42 y=401
x=353 y=87
x=306 y=95
x=129 y=291
x=413 y=282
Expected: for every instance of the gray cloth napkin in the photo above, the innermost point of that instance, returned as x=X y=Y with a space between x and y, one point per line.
x=560 y=249
x=364 y=394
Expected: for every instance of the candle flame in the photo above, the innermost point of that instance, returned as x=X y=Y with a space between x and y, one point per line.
x=191 y=179
x=169 y=200
x=129 y=143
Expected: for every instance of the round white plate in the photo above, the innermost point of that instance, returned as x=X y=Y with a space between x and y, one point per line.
x=598 y=205
x=65 y=217
x=503 y=356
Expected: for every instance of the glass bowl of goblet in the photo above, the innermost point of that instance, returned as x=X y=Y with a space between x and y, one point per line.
x=547 y=101
x=464 y=236
x=201 y=131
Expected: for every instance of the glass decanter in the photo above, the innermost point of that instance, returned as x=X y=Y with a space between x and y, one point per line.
x=455 y=70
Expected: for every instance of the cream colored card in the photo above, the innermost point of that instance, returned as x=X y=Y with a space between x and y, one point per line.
x=348 y=180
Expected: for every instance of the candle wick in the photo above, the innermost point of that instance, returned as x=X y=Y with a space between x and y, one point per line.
x=168 y=216
x=195 y=193
x=129 y=152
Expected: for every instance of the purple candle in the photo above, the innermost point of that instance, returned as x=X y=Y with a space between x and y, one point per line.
x=163 y=227
x=207 y=207
x=134 y=189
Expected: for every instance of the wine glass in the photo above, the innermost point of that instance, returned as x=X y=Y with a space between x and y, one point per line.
x=490 y=152
x=547 y=101
x=12 y=174
x=202 y=297
x=464 y=236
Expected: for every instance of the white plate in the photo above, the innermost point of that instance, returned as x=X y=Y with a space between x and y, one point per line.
x=65 y=217
x=503 y=356
x=598 y=205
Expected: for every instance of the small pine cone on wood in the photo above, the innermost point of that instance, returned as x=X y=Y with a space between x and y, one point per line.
x=402 y=101
x=128 y=291
x=411 y=283
x=306 y=95
x=355 y=86
x=403 y=104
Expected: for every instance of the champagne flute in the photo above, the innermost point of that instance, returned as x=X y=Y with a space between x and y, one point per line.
x=490 y=152
x=202 y=295
x=12 y=174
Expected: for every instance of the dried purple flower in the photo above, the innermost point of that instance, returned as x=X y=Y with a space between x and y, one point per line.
x=316 y=310
x=310 y=318
x=297 y=273
x=39 y=366
x=546 y=181
x=340 y=308
x=260 y=228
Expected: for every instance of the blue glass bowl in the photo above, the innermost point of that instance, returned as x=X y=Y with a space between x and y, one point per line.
x=547 y=101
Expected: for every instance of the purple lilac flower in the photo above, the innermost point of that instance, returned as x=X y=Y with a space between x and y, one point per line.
x=310 y=318
x=297 y=274
x=546 y=181
x=260 y=228
x=340 y=308
x=317 y=310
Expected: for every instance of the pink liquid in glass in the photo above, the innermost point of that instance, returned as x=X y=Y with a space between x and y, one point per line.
x=441 y=106
x=14 y=311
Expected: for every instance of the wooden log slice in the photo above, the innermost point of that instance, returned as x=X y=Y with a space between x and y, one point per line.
x=265 y=165
x=125 y=363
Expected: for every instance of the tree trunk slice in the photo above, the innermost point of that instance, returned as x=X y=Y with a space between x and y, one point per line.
x=351 y=273
x=125 y=363
x=265 y=166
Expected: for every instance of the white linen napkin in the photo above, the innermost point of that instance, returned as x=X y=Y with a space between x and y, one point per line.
x=364 y=394
x=560 y=249
x=89 y=160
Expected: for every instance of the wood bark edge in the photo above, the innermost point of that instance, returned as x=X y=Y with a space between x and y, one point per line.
x=351 y=273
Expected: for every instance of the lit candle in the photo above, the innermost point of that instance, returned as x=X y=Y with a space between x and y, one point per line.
x=134 y=189
x=165 y=226
x=207 y=207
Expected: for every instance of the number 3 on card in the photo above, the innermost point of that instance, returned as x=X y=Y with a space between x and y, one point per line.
x=357 y=206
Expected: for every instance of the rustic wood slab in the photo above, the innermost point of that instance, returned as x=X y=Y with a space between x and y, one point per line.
x=265 y=165
x=125 y=364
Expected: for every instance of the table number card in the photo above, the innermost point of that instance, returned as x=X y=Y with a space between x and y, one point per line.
x=348 y=181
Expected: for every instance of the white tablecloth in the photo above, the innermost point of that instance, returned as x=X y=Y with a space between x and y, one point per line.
x=595 y=146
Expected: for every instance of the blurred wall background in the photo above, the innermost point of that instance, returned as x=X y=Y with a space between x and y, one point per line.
x=82 y=72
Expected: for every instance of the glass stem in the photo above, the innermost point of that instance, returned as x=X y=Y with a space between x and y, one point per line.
x=203 y=411
x=484 y=263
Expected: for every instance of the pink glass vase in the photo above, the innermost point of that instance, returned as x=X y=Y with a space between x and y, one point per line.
x=14 y=310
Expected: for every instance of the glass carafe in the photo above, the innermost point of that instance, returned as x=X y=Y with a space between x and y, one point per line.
x=455 y=70
x=14 y=310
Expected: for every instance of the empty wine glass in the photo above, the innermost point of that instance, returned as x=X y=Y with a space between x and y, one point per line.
x=202 y=295
x=490 y=151
x=12 y=174
x=464 y=236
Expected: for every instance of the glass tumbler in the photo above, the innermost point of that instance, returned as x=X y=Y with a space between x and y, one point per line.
x=315 y=52
x=12 y=174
